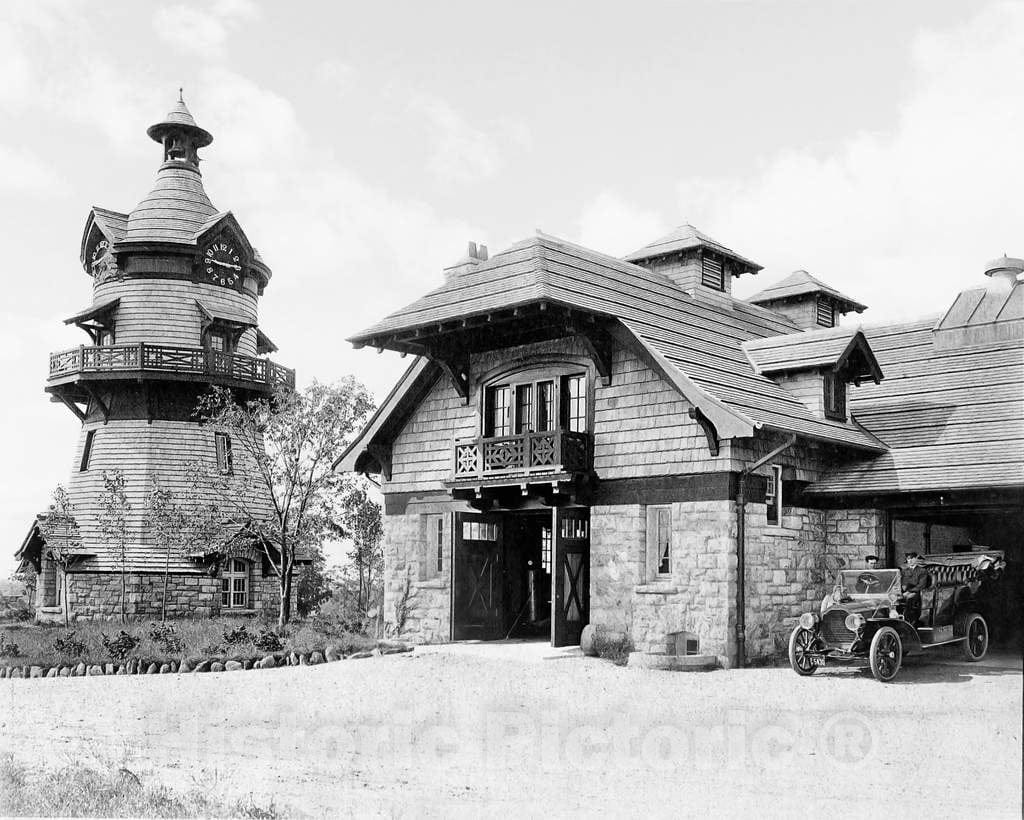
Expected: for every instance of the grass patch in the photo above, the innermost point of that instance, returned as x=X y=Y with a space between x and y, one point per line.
x=81 y=791
x=614 y=648
x=98 y=642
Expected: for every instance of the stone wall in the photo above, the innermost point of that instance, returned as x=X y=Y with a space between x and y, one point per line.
x=423 y=604
x=98 y=595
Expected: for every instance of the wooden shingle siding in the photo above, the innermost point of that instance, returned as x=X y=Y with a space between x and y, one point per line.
x=164 y=311
x=163 y=449
x=807 y=387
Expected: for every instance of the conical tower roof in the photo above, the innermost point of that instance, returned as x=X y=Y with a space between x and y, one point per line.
x=178 y=206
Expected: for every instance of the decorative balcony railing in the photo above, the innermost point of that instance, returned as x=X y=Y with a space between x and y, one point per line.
x=169 y=359
x=524 y=455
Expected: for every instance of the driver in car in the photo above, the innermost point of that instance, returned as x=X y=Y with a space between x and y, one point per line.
x=914 y=579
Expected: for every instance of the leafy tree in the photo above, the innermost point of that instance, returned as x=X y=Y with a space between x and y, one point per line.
x=313 y=587
x=288 y=445
x=59 y=519
x=360 y=520
x=180 y=522
x=113 y=519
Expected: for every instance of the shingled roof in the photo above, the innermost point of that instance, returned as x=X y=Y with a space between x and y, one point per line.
x=837 y=348
x=801 y=283
x=686 y=237
x=953 y=417
x=699 y=341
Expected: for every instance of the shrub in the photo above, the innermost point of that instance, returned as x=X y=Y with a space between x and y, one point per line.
x=166 y=637
x=612 y=647
x=212 y=649
x=238 y=635
x=68 y=645
x=8 y=649
x=266 y=640
x=120 y=646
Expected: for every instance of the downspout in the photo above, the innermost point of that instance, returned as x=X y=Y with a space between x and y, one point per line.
x=741 y=549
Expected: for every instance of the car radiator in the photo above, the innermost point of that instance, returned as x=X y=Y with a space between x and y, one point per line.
x=833 y=628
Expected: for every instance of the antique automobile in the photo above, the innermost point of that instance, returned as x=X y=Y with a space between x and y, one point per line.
x=865 y=617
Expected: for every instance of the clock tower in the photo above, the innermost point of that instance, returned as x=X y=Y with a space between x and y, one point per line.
x=175 y=290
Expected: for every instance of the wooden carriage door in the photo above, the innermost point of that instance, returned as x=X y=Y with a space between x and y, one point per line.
x=477 y=577
x=570 y=601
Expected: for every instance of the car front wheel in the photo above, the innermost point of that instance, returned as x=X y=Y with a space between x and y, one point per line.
x=975 y=632
x=800 y=648
x=886 y=654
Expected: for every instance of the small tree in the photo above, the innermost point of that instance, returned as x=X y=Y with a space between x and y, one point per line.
x=289 y=444
x=361 y=521
x=181 y=522
x=59 y=520
x=113 y=519
x=313 y=587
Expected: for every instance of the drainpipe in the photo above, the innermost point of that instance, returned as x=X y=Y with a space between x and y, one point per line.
x=741 y=549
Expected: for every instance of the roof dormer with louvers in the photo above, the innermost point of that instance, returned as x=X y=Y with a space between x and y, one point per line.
x=807 y=301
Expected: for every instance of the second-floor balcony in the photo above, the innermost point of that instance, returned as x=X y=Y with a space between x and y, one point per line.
x=522 y=456
x=169 y=361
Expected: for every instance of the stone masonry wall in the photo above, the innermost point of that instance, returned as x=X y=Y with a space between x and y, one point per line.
x=98 y=595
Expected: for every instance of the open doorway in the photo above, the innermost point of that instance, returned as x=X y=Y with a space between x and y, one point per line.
x=528 y=581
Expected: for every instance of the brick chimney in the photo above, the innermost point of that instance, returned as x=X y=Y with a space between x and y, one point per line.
x=474 y=256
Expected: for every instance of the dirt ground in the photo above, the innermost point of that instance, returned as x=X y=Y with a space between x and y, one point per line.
x=466 y=731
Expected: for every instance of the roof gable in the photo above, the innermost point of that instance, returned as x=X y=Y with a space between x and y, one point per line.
x=801 y=283
x=687 y=237
x=841 y=350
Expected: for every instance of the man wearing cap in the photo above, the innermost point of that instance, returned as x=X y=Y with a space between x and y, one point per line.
x=914 y=579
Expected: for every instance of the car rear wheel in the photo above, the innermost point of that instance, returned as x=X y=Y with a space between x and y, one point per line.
x=975 y=632
x=800 y=647
x=886 y=654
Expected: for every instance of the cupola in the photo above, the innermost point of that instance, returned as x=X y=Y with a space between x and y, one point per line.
x=806 y=301
x=989 y=314
x=694 y=261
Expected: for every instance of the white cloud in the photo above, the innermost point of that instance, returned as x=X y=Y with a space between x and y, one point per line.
x=462 y=152
x=612 y=225
x=24 y=173
x=203 y=30
x=905 y=219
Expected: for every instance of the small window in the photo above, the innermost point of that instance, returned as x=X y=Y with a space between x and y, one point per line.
x=659 y=541
x=479 y=531
x=575 y=392
x=225 y=463
x=545 y=549
x=773 y=495
x=712 y=272
x=90 y=437
x=524 y=408
x=545 y=406
x=217 y=340
x=498 y=411
x=434 y=547
x=234 y=584
x=835 y=397
x=826 y=312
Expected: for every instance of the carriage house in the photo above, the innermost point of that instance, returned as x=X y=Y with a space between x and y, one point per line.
x=582 y=439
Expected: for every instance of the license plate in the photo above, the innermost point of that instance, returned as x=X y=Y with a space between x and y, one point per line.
x=817 y=660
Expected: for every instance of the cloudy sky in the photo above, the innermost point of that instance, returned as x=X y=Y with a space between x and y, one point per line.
x=876 y=144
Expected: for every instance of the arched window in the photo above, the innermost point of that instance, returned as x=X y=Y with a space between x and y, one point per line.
x=535 y=400
x=234 y=584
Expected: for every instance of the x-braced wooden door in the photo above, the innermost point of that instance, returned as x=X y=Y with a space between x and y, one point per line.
x=570 y=580
x=478 y=577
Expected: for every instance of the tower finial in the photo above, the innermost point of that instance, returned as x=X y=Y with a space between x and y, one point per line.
x=181 y=94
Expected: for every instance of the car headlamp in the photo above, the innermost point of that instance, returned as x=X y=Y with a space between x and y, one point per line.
x=854 y=621
x=808 y=620
x=894 y=598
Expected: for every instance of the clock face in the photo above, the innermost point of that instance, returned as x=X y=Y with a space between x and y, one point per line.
x=222 y=264
x=101 y=261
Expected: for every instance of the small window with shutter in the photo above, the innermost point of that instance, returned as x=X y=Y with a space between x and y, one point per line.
x=826 y=312
x=712 y=272
x=835 y=397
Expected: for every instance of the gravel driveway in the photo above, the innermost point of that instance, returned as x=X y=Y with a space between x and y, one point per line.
x=450 y=732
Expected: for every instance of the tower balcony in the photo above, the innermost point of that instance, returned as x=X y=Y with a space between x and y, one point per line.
x=142 y=360
x=547 y=464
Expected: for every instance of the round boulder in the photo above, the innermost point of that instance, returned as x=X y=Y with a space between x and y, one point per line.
x=587 y=641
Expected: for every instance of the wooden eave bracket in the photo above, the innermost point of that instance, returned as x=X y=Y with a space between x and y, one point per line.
x=599 y=345
x=104 y=408
x=382 y=453
x=709 y=429
x=74 y=408
x=457 y=370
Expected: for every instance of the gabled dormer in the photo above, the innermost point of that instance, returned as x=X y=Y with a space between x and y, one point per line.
x=695 y=262
x=816 y=367
x=807 y=301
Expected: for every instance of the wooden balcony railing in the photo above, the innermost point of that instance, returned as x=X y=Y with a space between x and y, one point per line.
x=523 y=455
x=169 y=359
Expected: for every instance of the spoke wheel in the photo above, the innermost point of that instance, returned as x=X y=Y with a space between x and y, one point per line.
x=975 y=631
x=801 y=643
x=886 y=654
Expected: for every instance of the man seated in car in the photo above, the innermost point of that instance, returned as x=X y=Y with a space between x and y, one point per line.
x=914 y=580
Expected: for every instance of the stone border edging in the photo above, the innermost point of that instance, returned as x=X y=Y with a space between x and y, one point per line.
x=139 y=666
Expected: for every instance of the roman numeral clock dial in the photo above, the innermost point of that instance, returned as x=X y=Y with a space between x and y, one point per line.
x=222 y=264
